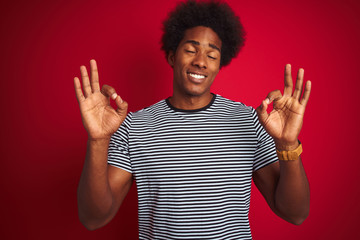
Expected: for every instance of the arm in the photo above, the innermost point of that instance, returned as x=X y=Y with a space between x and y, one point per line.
x=284 y=185
x=102 y=188
x=286 y=190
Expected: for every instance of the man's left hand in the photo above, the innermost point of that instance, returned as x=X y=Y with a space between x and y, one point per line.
x=284 y=122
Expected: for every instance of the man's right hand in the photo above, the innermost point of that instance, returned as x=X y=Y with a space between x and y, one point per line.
x=99 y=118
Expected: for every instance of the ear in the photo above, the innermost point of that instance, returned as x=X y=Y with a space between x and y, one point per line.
x=171 y=58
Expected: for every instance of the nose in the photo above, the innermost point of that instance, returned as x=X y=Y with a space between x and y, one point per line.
x=200 y=61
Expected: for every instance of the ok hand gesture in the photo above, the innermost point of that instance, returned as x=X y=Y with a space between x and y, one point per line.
x=284 y=122
x=99 y=118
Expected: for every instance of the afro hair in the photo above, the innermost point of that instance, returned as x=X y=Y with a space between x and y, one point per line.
x=214 y=14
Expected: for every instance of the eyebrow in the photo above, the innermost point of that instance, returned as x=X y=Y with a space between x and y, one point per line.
x=197 y=43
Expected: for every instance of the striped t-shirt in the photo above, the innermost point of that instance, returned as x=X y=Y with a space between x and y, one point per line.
x=193 y=168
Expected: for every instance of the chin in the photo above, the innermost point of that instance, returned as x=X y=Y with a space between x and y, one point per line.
x=196 y=92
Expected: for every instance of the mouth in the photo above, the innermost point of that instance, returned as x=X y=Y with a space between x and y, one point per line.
x=196 y=77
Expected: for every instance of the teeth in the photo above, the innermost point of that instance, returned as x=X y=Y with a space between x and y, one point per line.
x=197 y=76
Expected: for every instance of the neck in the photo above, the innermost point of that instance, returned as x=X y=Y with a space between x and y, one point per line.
x=190 y=102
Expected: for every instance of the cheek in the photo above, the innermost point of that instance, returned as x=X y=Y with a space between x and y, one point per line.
x=179 y=65
x=179 y=71
x=215 y=71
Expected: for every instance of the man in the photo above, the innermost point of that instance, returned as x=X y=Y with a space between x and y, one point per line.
x=193 y=155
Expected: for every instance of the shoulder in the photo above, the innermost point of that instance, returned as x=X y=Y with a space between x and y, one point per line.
x=147 y=113
x=228 y=105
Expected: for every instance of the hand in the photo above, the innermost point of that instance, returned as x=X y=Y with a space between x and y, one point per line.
x=99 y=118
x=284 y=122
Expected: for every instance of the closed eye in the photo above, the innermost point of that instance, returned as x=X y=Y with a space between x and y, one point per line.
x=214 y=58
x=188 y=51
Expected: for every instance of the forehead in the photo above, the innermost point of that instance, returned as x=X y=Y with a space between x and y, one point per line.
x=203 y=35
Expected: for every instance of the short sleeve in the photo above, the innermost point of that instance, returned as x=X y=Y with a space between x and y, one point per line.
x=265 y=152
x=118 y=152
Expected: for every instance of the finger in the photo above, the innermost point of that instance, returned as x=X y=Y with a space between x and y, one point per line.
x=262 y=110
x=299 y=84
x=109 y=92
x=306 y=94
x=94 y=76
x=274 y=95
x=288 y=81
x=118 y=101
x=122 y=105
x=79 y=95
x=85 y=81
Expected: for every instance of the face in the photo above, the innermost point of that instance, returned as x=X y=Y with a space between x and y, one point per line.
x=196 y=62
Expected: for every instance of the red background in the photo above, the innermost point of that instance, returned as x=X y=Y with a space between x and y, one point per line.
x=43 y=143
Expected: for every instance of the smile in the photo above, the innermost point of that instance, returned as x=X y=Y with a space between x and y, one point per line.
x=197 y=76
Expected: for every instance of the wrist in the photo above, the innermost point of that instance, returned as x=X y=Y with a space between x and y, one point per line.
x=98 y=141
x=286 y=146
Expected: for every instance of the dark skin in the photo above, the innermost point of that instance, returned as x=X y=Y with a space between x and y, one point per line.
x=102 y=188
x=196 y=62
x=195 y=66
x=284 y=185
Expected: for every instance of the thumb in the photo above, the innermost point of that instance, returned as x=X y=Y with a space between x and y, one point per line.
x=262 y=110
